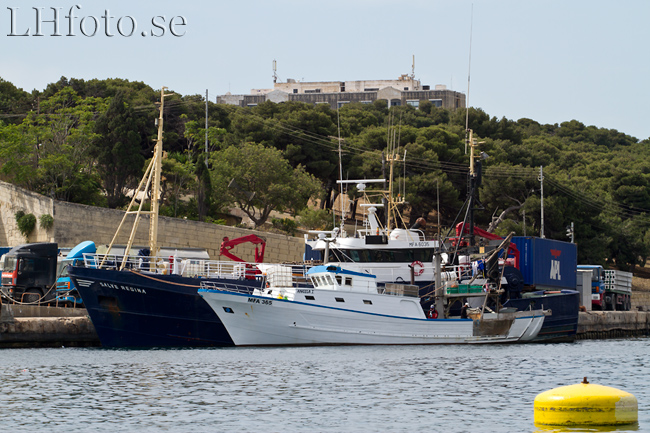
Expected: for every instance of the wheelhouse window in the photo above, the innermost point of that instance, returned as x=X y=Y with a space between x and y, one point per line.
x=369 y=255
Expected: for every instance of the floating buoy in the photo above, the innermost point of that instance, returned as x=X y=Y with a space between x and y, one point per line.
x=585 y=404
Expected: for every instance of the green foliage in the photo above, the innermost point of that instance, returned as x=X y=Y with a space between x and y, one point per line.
x=179 y=180
x=117 y=150
x=26 y=223
x=46 y=221
x=315 y=219
x=263 y=180
x=286 y=225
x=14 y=101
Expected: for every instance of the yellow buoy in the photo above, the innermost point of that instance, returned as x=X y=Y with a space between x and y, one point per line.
x=585 y=404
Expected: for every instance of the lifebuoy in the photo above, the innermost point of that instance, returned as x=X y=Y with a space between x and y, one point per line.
x=420 y=271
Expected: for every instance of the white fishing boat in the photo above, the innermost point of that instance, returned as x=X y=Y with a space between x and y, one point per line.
x=347 y=307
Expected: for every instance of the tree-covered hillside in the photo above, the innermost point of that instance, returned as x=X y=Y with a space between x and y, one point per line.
x=89 y=142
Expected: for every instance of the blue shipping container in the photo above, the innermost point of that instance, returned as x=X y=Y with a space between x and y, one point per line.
x=547 y=263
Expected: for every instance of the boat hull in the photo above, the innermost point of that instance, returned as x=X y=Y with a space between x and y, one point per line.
x=131 y=309
x=562 y=324
x=260 y=321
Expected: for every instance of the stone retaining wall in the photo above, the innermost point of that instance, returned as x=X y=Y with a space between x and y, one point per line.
x=75 y=223
x=640 y=299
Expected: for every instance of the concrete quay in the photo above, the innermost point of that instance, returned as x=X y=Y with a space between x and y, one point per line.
x=31 y=326
x=612 y=324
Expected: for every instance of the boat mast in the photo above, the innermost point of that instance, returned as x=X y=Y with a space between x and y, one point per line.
x=341 y=201
x=155 y=196
x=152 y=174
x=474 y=182
x=392 y=157
x=472 y=188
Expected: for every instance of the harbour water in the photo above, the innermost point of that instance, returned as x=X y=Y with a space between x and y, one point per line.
x=309 y=389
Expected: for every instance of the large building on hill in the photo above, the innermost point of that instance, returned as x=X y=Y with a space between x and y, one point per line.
x=406 y=90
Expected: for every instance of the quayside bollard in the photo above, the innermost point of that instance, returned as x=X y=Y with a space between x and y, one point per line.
x=585 y=404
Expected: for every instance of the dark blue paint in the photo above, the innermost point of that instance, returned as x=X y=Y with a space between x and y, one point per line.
x=153 y=310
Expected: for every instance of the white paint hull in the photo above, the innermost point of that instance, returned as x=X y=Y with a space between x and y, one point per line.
x=259 y=321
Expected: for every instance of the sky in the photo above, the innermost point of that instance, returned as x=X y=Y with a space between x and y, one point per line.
x=551 y=61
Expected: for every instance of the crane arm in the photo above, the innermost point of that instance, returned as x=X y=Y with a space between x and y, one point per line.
x=228 y=244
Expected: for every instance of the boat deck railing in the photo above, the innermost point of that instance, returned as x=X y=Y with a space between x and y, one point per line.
x=227 y=287
x=275 y=274
x=187 y=267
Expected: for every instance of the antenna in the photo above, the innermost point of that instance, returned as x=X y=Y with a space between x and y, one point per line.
x=469 y=68
x=404 y=174
x=413 y=68
x=275 y=71
x=338 y=124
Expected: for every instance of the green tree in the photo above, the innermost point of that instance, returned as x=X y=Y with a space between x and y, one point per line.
x=194 y=133
x=178 y=174
x=117 y=150
x=14 y=102
x=65 y=135
x=263 y=180
x=18 y=145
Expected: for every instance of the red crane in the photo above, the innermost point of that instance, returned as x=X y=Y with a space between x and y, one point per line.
x=227 y=245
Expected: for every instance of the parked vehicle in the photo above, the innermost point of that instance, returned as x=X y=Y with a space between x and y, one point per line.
x=611 y=290
x=66 y=292
x=29 y=273
x=37 y=273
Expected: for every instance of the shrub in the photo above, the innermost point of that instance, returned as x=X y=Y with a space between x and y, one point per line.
x=26 y=223
x=46 y=221
x=316 y=219
x=286 y=225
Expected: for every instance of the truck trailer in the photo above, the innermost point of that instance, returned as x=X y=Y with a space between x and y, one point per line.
x=611 y=290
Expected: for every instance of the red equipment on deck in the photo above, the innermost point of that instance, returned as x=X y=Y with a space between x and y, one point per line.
x=512 y=249
x=228 y=245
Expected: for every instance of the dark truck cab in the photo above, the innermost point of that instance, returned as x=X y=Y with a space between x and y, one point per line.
x=29 y=272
